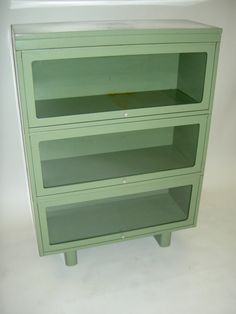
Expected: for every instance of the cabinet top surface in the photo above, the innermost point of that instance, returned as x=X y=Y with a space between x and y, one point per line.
x=24 y=30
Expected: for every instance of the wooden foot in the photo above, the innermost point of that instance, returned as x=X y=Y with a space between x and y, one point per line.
x=163 y=239
x=70 y=258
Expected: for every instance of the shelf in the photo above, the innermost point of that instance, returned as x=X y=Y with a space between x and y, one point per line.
x=89 y=168
x=103 y=103
x=115 y=215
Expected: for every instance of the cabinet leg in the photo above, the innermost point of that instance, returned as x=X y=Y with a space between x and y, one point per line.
x=70 y=258
x=163 y=239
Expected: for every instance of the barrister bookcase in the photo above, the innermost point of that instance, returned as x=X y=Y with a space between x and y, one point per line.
x=115 y=120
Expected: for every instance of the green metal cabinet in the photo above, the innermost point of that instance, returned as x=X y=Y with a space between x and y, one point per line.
x=115 y=121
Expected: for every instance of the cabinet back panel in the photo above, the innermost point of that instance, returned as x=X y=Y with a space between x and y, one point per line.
x=64 y=78
x=89 y=145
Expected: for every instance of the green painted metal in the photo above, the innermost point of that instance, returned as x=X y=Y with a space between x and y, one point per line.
x=163 y=239
x=144 y=94
x=116 y=121
x=43 y=36
x=27 y=148
x=70 y=258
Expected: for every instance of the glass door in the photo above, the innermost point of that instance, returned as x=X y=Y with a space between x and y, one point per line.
x=86 y=84
x=112 y=213
x=115 y=154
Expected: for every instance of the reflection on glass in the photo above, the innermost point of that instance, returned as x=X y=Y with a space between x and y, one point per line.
x=99 y=157
x=102 y=84
x=118 y=214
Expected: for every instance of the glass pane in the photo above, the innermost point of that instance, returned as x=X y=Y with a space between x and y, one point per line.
x=100 y=84
x=119 y=214
x=91 y=158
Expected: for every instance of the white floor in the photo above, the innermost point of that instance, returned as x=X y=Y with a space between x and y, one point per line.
x=196 y=274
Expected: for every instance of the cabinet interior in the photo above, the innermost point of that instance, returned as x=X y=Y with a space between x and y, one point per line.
x=73 y=86
x=117 y=214
x=91 y=158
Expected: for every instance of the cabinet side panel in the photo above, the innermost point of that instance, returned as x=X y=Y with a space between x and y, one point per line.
x=192 y=74
x=213 y=81
x=26 y=142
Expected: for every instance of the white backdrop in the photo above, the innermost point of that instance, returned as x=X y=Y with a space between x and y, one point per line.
x=132 y=277
x=221 y=166
x=65 y=3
